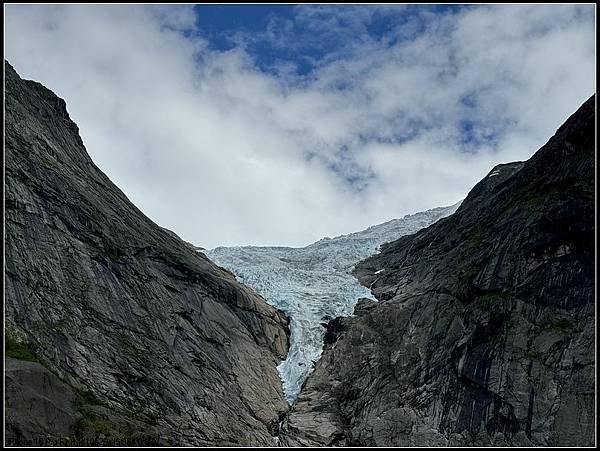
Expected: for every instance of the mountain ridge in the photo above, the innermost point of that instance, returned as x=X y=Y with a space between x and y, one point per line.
x=484 y=330
x=136 y=325
x=473 y=326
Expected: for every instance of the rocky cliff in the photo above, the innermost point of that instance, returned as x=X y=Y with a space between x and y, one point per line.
x=117 y=331
x=484 y=333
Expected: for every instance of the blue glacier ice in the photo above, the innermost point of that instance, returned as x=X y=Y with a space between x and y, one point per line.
x=313 y=284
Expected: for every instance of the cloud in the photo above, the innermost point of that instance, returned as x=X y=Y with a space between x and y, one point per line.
x=396 y=116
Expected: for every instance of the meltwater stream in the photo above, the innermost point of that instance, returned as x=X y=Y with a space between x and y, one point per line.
x=313 y=284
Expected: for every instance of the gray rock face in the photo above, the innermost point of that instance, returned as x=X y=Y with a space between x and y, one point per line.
x=45 y=411
x=32 y=388
x=484 y=333
x=120 y=307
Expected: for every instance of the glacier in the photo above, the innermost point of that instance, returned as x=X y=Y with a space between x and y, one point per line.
x=313 y=284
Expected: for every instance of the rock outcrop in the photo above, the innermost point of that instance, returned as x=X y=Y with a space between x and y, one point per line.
x=46 y=411
x=484 y=333
x=128 y=323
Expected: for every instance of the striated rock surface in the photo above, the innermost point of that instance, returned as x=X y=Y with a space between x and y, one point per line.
x=484 y=333
x=116 y=307
x=45 y=411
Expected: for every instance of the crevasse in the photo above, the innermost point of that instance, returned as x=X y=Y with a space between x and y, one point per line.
x=313 y=284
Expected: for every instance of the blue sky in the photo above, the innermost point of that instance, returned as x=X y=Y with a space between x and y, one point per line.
x=223 y=26
x=278 y=125
x=309 y=33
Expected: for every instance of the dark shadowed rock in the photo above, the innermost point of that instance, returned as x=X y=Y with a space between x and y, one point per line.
x=45 y=411
x=41 y=405
x=484 y=334
x=118 y=306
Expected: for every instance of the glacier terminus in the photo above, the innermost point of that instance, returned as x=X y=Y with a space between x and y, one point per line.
x=313 y=284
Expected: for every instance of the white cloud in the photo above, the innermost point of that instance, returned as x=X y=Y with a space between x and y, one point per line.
x=222 y=153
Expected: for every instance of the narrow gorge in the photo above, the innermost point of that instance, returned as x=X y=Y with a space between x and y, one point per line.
x=314 y=285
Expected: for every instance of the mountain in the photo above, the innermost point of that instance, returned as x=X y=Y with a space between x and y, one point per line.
x=117 y=331
x=484 y=329
x=313 y=284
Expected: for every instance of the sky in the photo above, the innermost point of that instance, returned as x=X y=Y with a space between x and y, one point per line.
x=284 y=124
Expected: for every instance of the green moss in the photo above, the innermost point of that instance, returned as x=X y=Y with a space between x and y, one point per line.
x=561 y=326
x=529 y=354
x=487 y=299
x=528 y=200
x=152 y=418
x=476 y=239
x=90 y=399
x=60 y=326
x=127 y=346
x=92 y=430
x=19 y=349
x=95 y=424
